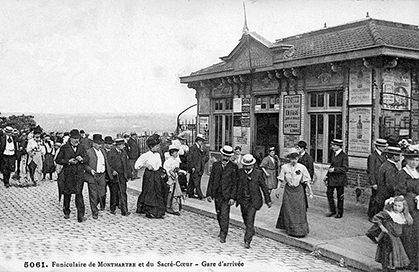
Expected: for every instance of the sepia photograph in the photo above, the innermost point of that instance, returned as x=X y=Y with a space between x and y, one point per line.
x=213 y=136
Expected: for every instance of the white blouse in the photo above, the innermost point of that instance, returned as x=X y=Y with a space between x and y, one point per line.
x=149 y=160
x=294 y=175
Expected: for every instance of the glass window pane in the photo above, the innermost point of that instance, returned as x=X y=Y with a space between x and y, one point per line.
x=264 y=102
x=320 y=100
x=272 y=102
x=313 y=100
x=218 y=132
x=228 y=130
x=332 y=99
x=339 y=99
x=338 y=134
x=313 y=144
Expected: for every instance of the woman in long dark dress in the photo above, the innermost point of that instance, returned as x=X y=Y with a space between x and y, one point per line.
x=293 y=214
x=407 y=184
x=48 y=157
x=152 y=200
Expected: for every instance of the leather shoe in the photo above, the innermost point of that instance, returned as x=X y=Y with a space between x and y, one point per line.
x=371 y=237
x=82 y=219
x=222 y=240
x=247 y=245
x=113 y=212
x=95 y=217
x=338 y=215
x=7 y=185
x=126 y=214
x=66 y=216
x=330 y=214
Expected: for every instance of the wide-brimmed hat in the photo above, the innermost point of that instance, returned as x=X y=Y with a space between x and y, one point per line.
x=8 y=129
x=200 y=137
x=338 y=142
x=292 y=153
x=97 y=138
x=133 y=133
x=119 y=141
x=74 y=133
x=302 y=144
x=108 y=140
x=381 y=142
x=153 y=140
x=394 y=150
x=173 y=147
x=227 y=150
x=411 y=152
x=248 y=159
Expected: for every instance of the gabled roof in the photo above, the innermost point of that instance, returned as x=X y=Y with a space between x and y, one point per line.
x=355 y=36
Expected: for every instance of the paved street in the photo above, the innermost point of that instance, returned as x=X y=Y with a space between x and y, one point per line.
x=33 y=230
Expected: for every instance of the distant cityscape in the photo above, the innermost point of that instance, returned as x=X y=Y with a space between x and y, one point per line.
x=109 y=123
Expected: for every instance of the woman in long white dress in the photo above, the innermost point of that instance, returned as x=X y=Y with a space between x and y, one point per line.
x=34 y=151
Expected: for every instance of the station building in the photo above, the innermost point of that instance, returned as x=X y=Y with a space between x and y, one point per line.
x=357 y=82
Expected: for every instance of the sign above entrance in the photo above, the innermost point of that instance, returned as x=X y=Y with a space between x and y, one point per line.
x=258 y=58
x=292 y=114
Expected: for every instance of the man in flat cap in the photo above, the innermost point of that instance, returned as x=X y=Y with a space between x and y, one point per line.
x=73 y=157
x=375 y=160
x=8 y=152
x=336 y=178
x=95 y=174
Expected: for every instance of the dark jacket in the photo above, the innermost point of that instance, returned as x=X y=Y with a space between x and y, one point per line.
x=3 y=139
x=73 y=174
x=256 y=183
x=92 y=165
x=307 y=161
x=133 y=149
x=223 y=182
x=374 y=162
x=386 y=182
x=196 y=159
x=86 y=142
x=118 y=161
x=341 y=166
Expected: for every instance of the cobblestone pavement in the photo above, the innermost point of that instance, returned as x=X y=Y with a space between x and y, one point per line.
x=33 y=230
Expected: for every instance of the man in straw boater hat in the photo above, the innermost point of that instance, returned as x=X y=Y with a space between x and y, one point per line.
x=375 y=160
x=72 y=156
x=95 y=174
x=196 y=162
x=250 y=184
x=385 y=180
x=8 y=154
x=336 y=178
x=222 y=188
x=120 y=174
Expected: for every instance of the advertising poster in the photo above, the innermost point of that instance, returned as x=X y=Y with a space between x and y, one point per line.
x=292 y=114
x=360 y=91
x=359 y=131
x=396 y=90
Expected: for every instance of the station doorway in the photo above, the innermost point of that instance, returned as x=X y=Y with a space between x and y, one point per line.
x=267 y=130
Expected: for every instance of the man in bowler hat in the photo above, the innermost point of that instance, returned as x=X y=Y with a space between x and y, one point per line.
x=196 y=162
x=73 y=157
x=336 y=178
x=95 y=174
x=250 y=184
x=8 y=154
x=222 y=188
x=305 y=159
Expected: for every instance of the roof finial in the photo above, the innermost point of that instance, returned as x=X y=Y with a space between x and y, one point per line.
x=368 y=15
x=325 y=26
x=245 y=28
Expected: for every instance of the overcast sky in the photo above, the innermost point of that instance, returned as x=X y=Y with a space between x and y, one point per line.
x=118 y=56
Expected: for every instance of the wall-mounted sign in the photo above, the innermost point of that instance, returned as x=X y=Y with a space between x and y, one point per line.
x=292 y=114
x=396 y=89
x=359 y=131
x=204 y=125
x=237 y=104
x=360 y=86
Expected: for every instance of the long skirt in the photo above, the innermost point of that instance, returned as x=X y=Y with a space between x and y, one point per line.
x=390 y=252
x=153 y=197
x=49 y=166
x=293 y=215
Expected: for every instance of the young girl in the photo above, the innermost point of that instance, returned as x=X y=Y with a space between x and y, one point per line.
x=171 y=165
x=390 y=250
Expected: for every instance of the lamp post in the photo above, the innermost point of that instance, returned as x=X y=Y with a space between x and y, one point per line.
x=177 y=119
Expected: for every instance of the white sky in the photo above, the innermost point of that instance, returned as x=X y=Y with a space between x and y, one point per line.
x=89 y=56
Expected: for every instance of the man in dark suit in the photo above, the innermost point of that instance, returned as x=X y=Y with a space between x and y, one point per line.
x=72 y=156
x=305 y=159
x=84 y=140
x=95 y=174
x=336 y=178
x=196 y=162
x=250 y=183
x=8 y=154
x=107 y=146
x=121 y=173
x=375 y=160
x=222 y=188
x=133 y=150
x=386 y=187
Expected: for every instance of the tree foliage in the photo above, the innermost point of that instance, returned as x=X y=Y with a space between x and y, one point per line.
x=19 y=122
